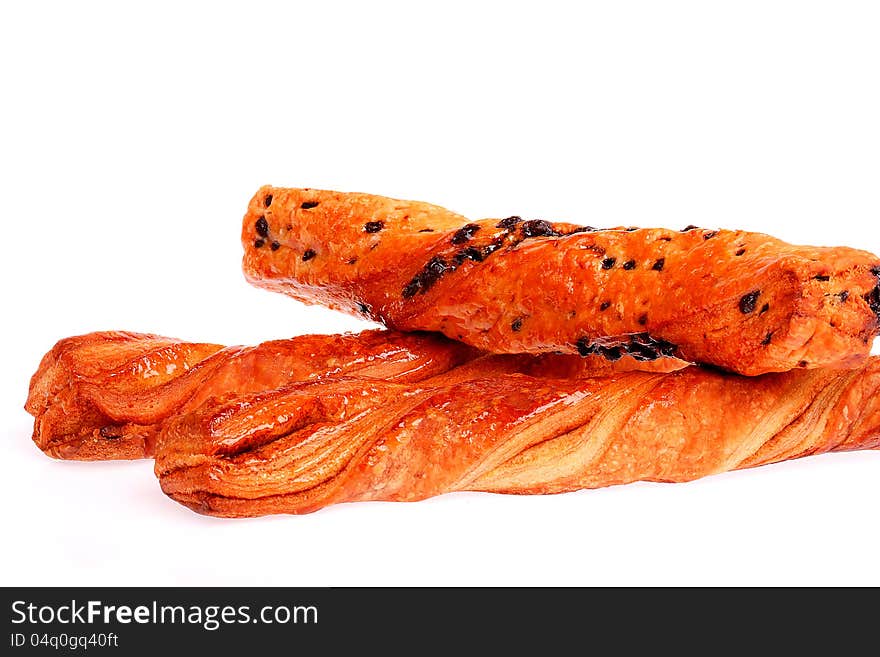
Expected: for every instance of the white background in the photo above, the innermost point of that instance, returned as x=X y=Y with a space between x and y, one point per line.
x=133 y=136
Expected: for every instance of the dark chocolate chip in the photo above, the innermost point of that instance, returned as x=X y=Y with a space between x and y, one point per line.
x=469 y=253
x=875 y=270
x=308 y=205
x=411 y=288
x=689 y=227
x=803 y=363
x=583 y=229
x=262 y=227
x=538 y=228
x=110 y=433
x=258 y=243
x=308 y=254
x=610 y=353
x=426 y=230
x=658 y=266
x=748 y=302
x=843 y=296
x=642 y=349
x=464 y=233
x=436 y=266
x=661 y=346
x=508 y=223
x=710 y=234
x=822 y=277
x=643 y=319
x=629 y=264
x=604 y=305
x=764 y=308
x=374 y=226
x=422 y=282
x=608 y=263
x=767 y=339
x=362 y=307
x=873 y=300
x=584 y=347
x=665 y=239
x=516 y=324
x=739 y=252
x=268 y=200
x=351 y=261
x=666 y=348
x=631 y=229
x=474 y=254
x=275 y=246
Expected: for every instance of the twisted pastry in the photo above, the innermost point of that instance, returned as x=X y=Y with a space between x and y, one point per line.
x=105 y=395
x=300 y=448
x=741 y=301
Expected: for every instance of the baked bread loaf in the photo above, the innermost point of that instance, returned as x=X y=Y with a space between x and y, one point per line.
x=745 y=302
x=105 y=395
x=300 y=448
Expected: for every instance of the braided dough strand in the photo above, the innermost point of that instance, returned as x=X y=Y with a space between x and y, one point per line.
x=105 y=395
x=745 y=302
x=300 y=448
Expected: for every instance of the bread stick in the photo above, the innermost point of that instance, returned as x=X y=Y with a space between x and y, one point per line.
x=300 y=448
x=745 y=302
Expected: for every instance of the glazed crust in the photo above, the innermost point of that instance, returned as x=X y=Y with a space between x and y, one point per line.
x=298 y=449
x=745 y=302
x=105 y=395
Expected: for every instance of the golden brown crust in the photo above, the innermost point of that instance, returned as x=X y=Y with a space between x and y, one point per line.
x=297 y=449
x=742 y=301
x=105 y=395
x=97 y=396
